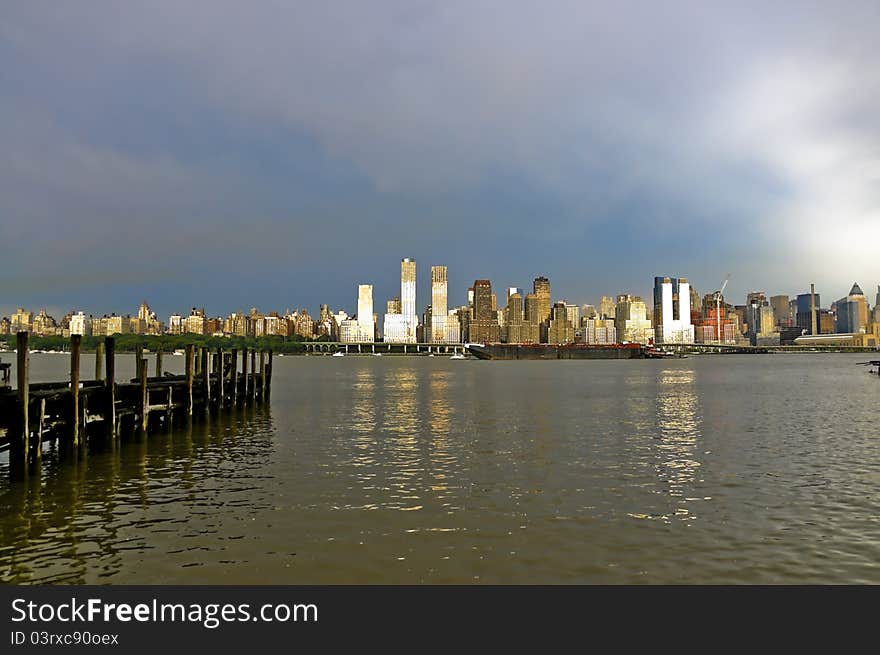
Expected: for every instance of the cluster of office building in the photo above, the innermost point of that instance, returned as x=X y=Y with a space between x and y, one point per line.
x=678 y=315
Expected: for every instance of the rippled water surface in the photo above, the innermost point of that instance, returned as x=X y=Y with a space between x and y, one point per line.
x=725 y=469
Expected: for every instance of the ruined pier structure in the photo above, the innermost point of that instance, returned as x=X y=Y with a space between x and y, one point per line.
x=76 y=410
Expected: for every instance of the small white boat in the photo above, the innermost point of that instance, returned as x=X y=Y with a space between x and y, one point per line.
x=377 y=354
x=458 y=356
x=177 y=353
x=338 y=353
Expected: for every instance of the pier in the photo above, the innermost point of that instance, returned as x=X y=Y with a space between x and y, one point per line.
x=76 y=411
x=382 y=348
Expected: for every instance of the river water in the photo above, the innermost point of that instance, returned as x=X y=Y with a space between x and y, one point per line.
x=712 y=469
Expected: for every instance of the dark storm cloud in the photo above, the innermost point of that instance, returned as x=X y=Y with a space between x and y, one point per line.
x=229 y=154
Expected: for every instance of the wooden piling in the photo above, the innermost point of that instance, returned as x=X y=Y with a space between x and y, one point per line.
x=38 y=446
x=262 y=393
x=145 y=394
x=244 y=375
x=110 y=365
x=269 y=377
x=253 y=393
x=190 y=355
x=233 y=378
x=99 y=361
x=23 y=395
x=159 y=362
x=206 y=375
x=220 y=370
x=75 y=345
x=138 y=361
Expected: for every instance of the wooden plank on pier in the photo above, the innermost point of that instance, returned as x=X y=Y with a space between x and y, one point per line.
x=206 y=374
x=159 y=362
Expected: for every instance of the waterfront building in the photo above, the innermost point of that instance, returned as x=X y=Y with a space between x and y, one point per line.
x=560 y=330
x=21 y=321
x=484 y=328
x=366 y=325
x=631 y=320
x=114 y=324
x=541 y=289
x=696 y=307
x=597 y=331
x=607 y=307
x=531 y=330
x=442 y=324
x=81 y=324
x=672 y=311
x=808 y=305
x=44 y=325
x=349 y=331
x=588 y=311
x=514 y=319
x=781 y=306
x=327 y=326
x=852 y=312
x=574 y=314
x=400 y=327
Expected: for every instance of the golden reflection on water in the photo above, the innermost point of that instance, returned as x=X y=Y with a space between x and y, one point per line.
x=678 y=434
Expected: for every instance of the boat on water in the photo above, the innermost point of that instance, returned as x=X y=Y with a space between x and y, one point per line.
x=551 y=351
x=178 y=353
x=873 y=364
x=338 y=353
x=377 y=354
x=458 y=356
x=659 y=353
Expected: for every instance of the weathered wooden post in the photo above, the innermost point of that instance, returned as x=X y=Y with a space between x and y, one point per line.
x=75 y=344
x=244 y=375
x=144 y=399
x=198 y=362
x=23 y=393
x=269 y=377
x=190 y=355
x=159 y=362
x=220 y=370
x=233 y=376
x=99 y=360
x=262 y=394
x=253 y=393
x=110 y=365
x=138 y=361
x=38 y=447
x=206 y=375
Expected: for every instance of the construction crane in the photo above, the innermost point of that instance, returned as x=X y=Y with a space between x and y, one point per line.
x=718 y=295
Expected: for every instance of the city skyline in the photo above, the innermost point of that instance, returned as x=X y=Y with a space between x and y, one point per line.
x=737 y=138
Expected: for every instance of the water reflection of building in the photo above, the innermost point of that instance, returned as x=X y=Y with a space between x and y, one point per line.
x=678 y=428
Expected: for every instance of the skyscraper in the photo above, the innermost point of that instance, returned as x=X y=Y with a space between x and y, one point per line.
x=852 y=312
x=631 y=320
x=541 y=289
x=560 y=330
x=440 y=319
x=365 y=325
x=401 y=328
x=607 y=307
x=484 y=328
x=672 y=311
x=781 y=310
x=408 y=288
x=514 y=318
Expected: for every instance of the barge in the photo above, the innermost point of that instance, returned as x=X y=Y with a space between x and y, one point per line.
x=550 y=351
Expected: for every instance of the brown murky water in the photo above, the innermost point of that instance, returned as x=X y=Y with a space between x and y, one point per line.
x=734 y=469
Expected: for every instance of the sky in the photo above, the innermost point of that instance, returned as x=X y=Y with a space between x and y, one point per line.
x=276 y=154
